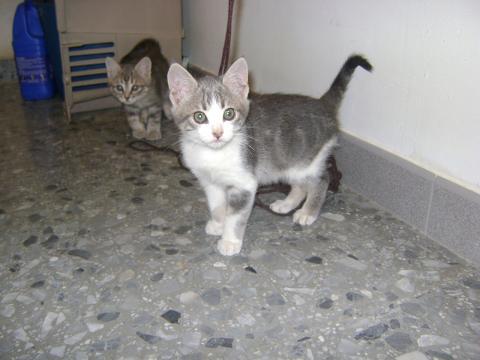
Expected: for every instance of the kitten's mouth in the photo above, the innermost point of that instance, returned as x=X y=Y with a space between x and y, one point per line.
x=217 y=143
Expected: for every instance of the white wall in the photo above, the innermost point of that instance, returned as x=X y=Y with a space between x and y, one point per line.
x=7 y=11
x=418 y=104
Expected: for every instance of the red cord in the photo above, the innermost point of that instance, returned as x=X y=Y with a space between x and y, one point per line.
x=226 y=44
x=335 y=175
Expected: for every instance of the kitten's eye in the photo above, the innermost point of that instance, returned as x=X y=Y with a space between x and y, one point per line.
x=135 y=88
x=200 y=117
x=119 y=88
x=229 y=114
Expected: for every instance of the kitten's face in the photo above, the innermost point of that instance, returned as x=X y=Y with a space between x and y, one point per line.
x=129 y=83
x=210 y=111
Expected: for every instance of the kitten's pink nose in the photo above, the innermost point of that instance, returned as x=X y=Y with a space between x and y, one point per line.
x=218 y=134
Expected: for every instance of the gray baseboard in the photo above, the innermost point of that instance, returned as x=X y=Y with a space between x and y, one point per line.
x=8 y=71
x=442 y=210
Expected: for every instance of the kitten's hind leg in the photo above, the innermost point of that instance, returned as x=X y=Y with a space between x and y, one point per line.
x=217 y=204
x=294 y=198
x=316 y=192
x=154 y=120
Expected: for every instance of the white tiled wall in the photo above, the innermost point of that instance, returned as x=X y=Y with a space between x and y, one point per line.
x=7 y=11
x=420 y=103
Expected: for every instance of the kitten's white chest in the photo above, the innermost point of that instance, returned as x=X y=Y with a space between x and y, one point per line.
x=223 y=166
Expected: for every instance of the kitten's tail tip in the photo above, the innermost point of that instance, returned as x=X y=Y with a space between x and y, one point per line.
x=359 y=60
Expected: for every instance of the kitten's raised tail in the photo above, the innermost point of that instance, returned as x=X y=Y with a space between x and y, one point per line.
x=339 y=85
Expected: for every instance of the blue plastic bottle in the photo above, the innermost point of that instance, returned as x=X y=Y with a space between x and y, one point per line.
x=34 y=71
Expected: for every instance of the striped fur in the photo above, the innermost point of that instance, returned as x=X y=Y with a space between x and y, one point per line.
x=139 y=83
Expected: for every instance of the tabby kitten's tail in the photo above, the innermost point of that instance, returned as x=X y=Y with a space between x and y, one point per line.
x=339 y=85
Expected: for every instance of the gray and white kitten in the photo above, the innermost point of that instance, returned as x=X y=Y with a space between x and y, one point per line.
x=139 y=82
x=233 y=145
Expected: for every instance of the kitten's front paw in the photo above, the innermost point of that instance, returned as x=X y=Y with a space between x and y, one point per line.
x=138 y=134
x=281 y=207
x=154 y=135
x=214 y=228
x=229 y=247
x=303 y=217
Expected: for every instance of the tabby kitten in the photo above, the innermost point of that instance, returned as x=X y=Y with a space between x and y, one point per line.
x=139 y=82
x=285 y=138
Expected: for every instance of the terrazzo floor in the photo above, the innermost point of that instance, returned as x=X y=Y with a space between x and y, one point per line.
x=103 y=256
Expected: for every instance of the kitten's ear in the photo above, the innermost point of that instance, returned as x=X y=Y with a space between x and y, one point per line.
x=113 y=68
x=144 y=68
x=180 y=83
x=236 y=78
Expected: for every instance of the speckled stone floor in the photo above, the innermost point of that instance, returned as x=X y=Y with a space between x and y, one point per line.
x=103 y=256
